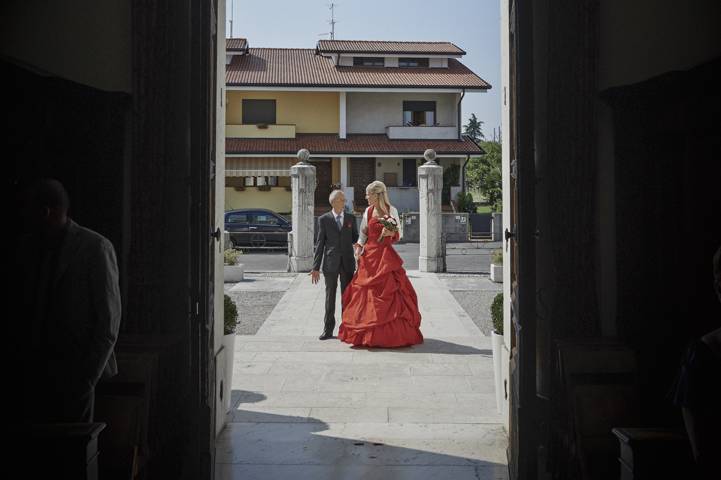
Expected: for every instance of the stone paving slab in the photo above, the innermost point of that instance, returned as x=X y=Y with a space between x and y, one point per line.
x=364 y=472
x=300 y=312
x=304 y=408
x=320 y=443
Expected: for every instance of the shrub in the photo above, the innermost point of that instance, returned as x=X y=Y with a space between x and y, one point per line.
x=231 y=256
x=497 y=313
x=497 y=257
x=465 y=202
x=230 y=316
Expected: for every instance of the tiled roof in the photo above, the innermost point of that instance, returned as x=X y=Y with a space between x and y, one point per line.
x=303 y=68
x=330 y=144
x=236 y=44
x=407 y=48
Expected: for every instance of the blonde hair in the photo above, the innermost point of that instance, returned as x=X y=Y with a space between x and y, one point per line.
x=379 y=188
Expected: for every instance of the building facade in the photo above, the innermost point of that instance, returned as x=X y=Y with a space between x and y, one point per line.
x=366 y=110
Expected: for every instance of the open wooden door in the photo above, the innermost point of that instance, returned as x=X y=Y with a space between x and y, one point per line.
x=207 y=244
x=519 y=241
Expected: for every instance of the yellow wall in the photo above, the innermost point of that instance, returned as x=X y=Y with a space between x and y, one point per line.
x=311 y=112
x=277 y=199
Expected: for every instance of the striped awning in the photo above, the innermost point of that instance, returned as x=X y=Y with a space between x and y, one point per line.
x=258 y=166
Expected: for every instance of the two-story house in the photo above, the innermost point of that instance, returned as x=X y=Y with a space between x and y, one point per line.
x=366 y=110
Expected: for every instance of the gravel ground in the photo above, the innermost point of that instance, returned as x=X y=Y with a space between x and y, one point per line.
x=475 y=294
x=253 y=309
x=478 y=306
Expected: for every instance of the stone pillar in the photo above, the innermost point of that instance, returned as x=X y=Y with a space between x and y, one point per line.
x=302 y=178
x=430 y=186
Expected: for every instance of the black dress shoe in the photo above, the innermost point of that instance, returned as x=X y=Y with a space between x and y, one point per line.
x=326 y=336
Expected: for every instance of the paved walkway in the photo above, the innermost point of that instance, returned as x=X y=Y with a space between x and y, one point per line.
x=307 y=409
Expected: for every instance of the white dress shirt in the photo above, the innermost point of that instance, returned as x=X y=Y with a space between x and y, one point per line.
x=335 y=217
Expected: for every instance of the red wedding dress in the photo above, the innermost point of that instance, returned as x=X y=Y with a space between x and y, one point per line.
x=380 y=307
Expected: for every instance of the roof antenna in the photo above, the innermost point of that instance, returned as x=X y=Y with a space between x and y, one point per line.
x=332 y=21
x=232 y=4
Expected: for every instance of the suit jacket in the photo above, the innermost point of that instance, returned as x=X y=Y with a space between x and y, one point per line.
x=79 y=306
x=333 y=247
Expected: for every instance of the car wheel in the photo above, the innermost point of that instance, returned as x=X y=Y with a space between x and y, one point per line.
x=257 y=240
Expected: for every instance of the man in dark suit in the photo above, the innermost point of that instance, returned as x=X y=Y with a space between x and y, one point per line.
x=71 y=295
x=337 y=232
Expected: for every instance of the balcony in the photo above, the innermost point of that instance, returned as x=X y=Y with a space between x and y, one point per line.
x=260 y=131
x=422 y=133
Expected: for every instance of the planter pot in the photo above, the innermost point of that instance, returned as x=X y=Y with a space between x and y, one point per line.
x=233 y=273
x=497 y=348
x=229 y=347
x=496 y=273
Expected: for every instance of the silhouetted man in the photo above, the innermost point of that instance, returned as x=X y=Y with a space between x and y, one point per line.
x=71 y=299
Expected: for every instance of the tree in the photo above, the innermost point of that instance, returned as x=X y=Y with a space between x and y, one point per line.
x=473 y=128
x=484 y=174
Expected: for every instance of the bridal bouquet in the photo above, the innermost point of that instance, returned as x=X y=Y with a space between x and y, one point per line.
x=389 y=223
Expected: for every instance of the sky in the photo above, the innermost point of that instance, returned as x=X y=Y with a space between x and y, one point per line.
x=473 y=25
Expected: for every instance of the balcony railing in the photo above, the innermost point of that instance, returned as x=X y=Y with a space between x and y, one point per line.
x=422 y=132
x=260 y=131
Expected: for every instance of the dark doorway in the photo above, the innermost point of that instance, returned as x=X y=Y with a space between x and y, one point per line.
x=362 y=172
x=410 y=172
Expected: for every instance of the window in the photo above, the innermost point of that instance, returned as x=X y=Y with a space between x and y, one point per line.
x=237 y=218
x=419 y=113
x=368 y=61
x=269 y=181
x=258 y=112
x=266 y=219
x=413 y=62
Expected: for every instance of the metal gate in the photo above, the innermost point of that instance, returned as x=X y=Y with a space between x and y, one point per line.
x=473 y=256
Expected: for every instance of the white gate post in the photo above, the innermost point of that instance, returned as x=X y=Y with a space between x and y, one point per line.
x=303 y=183
x=430 y=187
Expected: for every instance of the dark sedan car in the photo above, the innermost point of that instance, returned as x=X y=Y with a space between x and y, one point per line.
x=257 y=228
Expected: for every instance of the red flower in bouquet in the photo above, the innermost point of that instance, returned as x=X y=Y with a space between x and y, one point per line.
x=389 y=223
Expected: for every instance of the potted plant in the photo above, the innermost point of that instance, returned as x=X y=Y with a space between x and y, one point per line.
x=497 y=266
x=232 y=269
x=497 y=346
x=230 y=325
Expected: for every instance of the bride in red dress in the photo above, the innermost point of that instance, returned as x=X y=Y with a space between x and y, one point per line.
x=380 y=307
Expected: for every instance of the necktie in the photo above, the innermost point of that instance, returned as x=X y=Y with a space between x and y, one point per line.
x=337 y=221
